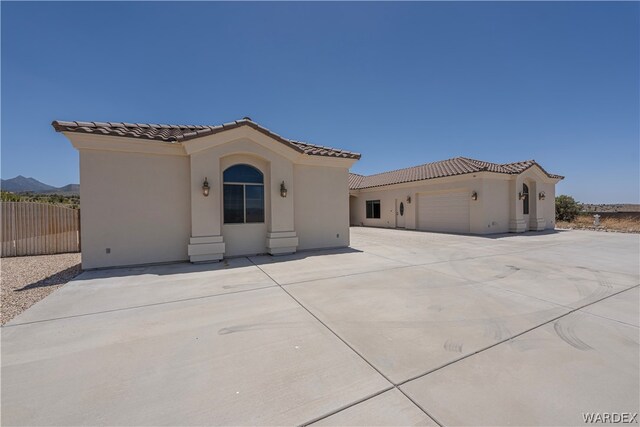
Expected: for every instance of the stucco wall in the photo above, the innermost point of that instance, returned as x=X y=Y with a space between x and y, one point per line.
x=138 y=205
x=388 y=196
x=207 y=213
x=548 y=204
x=245 y=239
x=491 y=213
x=387 y=199
x=494 y=199
x=143 y=200
x=321 y=206
x=544 y=210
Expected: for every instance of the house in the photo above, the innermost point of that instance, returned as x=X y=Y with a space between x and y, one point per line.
x=160 y=193
x=458 y=195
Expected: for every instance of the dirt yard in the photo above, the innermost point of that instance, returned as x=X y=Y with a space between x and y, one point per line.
x=27 y=280
x=626 y=224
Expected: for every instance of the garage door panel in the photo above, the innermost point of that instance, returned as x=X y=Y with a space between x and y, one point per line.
x=448 y=212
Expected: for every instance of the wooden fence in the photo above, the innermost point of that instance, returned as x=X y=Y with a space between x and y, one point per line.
x=39 y=229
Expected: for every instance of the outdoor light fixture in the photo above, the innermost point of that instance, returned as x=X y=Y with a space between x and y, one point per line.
x=521 y=195
x=541 y=195
x=283 y=190
x=205 y=188
x=474 y=195
x=408 y=199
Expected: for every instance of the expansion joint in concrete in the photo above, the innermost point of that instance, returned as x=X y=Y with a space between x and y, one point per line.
x=514 y=336
x=134 y=307
x=392 y=384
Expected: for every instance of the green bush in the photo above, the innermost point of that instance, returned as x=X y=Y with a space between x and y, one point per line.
x=70 y=201
x=567 y=208
x=9 y=197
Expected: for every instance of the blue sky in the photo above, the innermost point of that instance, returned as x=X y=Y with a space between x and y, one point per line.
x=402 y=83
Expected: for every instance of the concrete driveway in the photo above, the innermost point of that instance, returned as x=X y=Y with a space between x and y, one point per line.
x=404 y=328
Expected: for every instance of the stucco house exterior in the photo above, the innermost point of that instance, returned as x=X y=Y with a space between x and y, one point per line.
x=161 y=193
x=458 y=195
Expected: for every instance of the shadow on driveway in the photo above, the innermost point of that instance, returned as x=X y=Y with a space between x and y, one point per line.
x=178 y=267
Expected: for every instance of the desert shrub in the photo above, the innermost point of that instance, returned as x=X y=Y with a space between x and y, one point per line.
x=70 y=201
x=567 y=209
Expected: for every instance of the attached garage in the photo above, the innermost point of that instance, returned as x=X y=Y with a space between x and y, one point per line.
x=447 y=212
x=458 y=195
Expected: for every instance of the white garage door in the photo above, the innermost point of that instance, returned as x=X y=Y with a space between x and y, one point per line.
x=447 y=212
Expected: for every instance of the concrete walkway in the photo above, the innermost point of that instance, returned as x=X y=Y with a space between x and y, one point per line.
x=403 y=328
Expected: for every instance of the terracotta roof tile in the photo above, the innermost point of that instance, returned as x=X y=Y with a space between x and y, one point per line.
x=355 y=180
x=179 y=133
x=440 y=169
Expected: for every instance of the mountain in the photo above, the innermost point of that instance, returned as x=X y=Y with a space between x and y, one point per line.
x=21 y=184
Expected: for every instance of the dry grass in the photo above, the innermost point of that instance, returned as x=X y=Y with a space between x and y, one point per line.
x=623 y=224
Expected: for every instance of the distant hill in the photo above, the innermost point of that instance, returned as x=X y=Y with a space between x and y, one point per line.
x=21 y=184
x=68 y=189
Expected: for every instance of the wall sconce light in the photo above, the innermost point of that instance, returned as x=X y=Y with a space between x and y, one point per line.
x=474 y=195
x=283 y=190
x=205 y=188
x=408 y=199
x=521 y=196
x=541 y=195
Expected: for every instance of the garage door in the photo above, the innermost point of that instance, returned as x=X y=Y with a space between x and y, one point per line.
x=447 y=212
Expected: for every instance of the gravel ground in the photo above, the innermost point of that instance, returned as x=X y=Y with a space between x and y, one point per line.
x=26 y=280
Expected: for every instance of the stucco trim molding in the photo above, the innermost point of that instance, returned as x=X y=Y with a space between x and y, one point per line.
x=206 y=249
x=517 y=225
x=282 y=242
x=537 y=224
x=122 y=144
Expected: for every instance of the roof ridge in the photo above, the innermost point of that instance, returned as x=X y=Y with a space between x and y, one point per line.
x=295 y=141
x=443 y=168
x=471 y=159
x=80 y=123
x=411 y=167
x=475 y=162
x=521 y=161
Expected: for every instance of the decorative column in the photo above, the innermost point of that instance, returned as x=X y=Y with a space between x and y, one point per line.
x=516 y=218
x=536 y=209
x=206 y=243
x=281 y=235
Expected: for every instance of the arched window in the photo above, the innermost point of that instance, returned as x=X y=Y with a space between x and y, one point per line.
x=525 y=199
x=243 y=195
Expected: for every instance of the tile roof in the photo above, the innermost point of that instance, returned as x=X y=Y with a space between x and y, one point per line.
x=179 y=133
x=440 y=169
x=355 y=180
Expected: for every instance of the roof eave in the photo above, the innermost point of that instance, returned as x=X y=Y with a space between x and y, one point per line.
x=200 y=132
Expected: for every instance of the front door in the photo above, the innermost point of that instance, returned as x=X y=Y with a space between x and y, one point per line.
x=400 y=213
